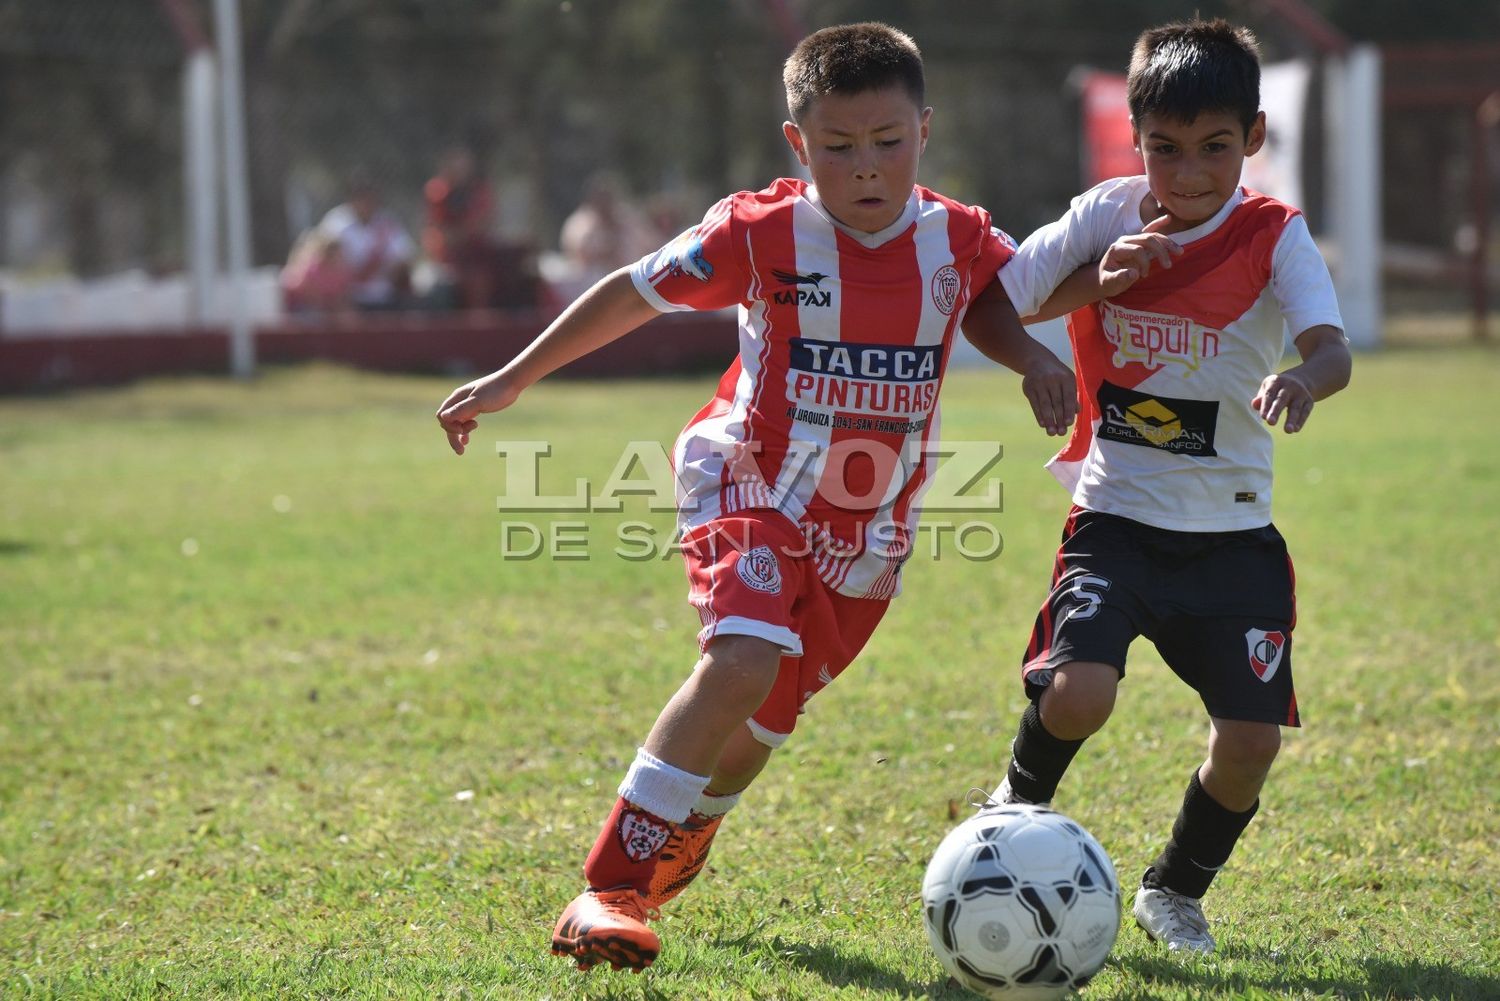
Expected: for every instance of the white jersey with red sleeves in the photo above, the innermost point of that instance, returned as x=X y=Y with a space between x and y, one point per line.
x=827 y=412
x=1166 y=434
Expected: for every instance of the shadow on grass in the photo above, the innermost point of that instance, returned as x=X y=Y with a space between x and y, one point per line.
x=1384 y=977
x=842 y=969
x=14 y=547
x=637 y=990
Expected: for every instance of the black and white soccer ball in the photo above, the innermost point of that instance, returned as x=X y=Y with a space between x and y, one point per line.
x=1021 y=902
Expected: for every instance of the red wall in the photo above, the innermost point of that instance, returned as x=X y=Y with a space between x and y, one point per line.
x=450 y=343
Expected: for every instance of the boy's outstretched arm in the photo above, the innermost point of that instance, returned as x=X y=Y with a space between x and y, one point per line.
x=1325 y=369
x=606 y=312
x=1079 y=289
x=1129 y=259
x=992 y=326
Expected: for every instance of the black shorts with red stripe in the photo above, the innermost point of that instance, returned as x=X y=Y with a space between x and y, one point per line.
x=1219 y=606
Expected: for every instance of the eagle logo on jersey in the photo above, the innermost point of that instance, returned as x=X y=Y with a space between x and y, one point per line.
x=792 y=278
x=1266 y=649
x=759 y=570
x=800 y=296
x=945 y=285
x=687 y=259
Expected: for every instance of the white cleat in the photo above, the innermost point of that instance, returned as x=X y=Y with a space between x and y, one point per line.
x=1006 y=795
x=1173 y=919
x=1003 y=796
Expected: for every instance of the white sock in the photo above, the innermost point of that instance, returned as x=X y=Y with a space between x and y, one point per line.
x=710 y=805
x=660 y=788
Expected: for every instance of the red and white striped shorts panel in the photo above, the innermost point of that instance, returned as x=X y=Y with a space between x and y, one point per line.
x=753 y=575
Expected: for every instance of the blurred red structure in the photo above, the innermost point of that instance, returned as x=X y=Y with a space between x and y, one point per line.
x=439 y=342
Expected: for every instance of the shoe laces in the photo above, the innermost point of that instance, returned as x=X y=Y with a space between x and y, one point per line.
x=980 y=799
x=628 y=902
x=1187 y=912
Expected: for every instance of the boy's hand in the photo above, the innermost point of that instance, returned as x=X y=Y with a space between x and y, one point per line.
x=460 y=411
x=1053 y=392
x=1131 y=258
x=1284 y=392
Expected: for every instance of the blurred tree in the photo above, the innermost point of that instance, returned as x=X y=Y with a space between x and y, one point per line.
x=1399 y=21
x=82 y=88
x=675 y=95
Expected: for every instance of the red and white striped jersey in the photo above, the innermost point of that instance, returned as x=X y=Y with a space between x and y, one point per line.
x=1166 y=371
x=826 y=414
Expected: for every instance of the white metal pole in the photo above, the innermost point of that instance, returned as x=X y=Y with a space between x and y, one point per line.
x=1353 y=110
x=1365 y=209
x=201 y=181
x=236 y=187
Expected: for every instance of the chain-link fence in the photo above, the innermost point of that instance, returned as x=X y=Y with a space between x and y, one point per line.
x=679 y=100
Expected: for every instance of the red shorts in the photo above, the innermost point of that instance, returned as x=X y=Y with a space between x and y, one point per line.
x=752 y=575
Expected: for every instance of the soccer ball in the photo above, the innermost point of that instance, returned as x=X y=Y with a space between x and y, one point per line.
x=1021 y=902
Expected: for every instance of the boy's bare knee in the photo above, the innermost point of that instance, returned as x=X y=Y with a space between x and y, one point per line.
x=740 y=666
x=1079 y=700
x=742 y=760
x=1245 y=745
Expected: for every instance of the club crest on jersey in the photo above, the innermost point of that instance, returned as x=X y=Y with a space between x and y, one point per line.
x=945 y=285
x=641 y=837
x=1157 y=339
x=1265 y=649
x=797 y=295
x=759 y=570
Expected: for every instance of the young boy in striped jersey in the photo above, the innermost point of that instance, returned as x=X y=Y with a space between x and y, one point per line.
x=1170 y=535
x=798 y=481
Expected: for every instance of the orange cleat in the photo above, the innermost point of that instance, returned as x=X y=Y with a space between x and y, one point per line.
x=606 y=926
x=682 y=858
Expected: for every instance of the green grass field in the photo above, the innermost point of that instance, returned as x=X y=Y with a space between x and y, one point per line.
x=277 y=720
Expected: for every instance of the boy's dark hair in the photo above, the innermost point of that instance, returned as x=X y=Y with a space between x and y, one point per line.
x=851 y=59
x=1181 y=70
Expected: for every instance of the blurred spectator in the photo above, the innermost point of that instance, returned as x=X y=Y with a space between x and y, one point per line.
x=665 y=217
x=316 y=278
x=460 y=214
x=605 y=232
x=473 y=268
x=375 y=247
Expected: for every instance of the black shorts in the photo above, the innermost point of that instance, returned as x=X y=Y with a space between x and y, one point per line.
x=1220 y=607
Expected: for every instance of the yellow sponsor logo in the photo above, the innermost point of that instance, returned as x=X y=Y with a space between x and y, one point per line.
x=1153 y=421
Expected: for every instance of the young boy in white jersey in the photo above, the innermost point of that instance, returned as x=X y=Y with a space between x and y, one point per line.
x=1169 y=465
x=798 y=481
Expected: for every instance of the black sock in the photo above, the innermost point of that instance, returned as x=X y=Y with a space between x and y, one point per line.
x=1202 y=838
x=1038 y=759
